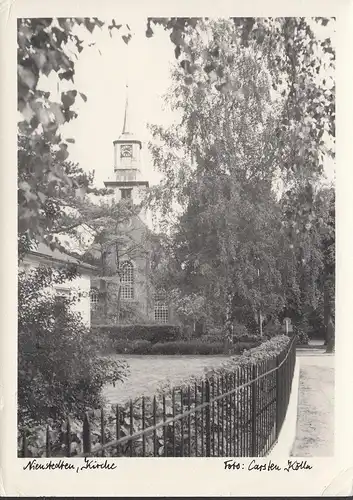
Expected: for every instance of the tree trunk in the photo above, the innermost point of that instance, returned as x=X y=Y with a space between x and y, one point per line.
x=327 y=312
x=330 y=333
x=118 y=303
x=329 y=316
x=260 y=323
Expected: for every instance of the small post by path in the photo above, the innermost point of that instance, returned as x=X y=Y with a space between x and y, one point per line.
x=288 y=327
x=260 y=315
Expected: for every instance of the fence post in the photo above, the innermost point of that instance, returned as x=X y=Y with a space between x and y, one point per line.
x=131 y=430
x=68 y=437
x=102 y=431
x=164 y=428
x=24 y=444
x=208 y=419
x=254 y=413
x=154 y=424
x=47 y=442
x=278 y=395
x=86 y=434
x=117 y=428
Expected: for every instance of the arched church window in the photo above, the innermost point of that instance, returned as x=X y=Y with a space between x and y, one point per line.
x=127 y=280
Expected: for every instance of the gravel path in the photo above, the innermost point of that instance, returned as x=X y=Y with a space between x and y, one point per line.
x=147 y=373
x=315 y=421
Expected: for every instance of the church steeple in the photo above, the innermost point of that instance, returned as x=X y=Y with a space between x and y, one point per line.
x=128 y=181
x=126 y=126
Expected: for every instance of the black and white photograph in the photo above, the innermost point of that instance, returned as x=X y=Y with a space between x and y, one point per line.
x=176 y=259
x=176 y=233
x=176 y=240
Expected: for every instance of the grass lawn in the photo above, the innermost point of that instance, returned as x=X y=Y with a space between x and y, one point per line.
x=147 y=373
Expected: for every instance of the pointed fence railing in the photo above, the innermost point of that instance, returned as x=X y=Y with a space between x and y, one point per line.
x=236 y=414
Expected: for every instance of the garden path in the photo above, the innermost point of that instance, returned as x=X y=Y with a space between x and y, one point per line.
x=315 y=418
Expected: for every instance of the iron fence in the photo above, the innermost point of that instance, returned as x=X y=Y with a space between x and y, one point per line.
x=236 y=414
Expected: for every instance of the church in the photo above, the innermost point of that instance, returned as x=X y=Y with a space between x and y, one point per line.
x=127 y=256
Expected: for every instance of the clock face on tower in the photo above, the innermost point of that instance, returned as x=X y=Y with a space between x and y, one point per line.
x=126 y=151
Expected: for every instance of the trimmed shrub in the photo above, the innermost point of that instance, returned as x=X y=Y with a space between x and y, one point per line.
x=273 y=328
x=195 y=347
x=198 y=347
x=182 y=347
x=141 y=347
x=122 y=346
x=151 y=333
x=240 y=347
x=262 y=352
x=211 y=339
x=248 y=338
x=240 y=330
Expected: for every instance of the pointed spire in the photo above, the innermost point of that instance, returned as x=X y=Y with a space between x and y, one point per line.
x=126 y=125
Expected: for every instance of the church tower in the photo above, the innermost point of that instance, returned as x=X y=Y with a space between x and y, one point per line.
x=128 y=182
x=132 y=252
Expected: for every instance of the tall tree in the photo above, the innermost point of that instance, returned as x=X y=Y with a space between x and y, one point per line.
x=216 y=167
x=242 y=130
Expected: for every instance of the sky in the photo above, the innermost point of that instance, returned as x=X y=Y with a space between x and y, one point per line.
x=101 y=73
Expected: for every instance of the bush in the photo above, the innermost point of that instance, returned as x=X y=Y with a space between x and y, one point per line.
x=195 y=347
x=182 y=347
x=132 y=346
x=60 y=370
x=214 y=332
x=141 y=347
x=248 y=338
x=273 y=328
x=302 y=337
x=199 y=347
x=211 y=339
x=239 y=330
x=253 y=355
x=240 y=334
x=151 y=333
x=240 y=347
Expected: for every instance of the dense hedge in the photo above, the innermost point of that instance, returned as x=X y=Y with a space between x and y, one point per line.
x=151 y=333
x=181 y=347
x=249 y=338
x=140 y=339
x=188 y=347
x=199 y=348
x=267 y=350
x=169 y=340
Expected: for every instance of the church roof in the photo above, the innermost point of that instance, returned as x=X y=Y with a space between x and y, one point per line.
x=45 y=252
